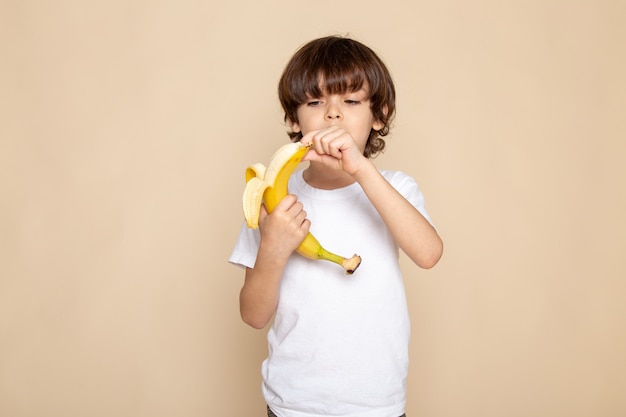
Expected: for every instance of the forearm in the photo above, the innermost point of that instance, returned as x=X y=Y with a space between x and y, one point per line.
x=259 y=295
x=409 y=228
x=281 y=233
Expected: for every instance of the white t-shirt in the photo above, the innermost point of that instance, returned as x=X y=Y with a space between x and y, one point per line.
x=339 y=343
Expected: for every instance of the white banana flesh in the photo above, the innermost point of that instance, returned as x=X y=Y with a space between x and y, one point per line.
x=268 y=185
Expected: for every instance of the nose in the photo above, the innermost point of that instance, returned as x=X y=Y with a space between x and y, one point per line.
x=333 y=112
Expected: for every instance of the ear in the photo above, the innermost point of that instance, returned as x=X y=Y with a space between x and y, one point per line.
x=377 y=125
x=295 y=127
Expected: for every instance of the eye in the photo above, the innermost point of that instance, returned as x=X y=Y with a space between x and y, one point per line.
x=313 y=103
x=352 y=102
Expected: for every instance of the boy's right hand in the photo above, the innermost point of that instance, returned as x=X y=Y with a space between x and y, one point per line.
x=285 y=227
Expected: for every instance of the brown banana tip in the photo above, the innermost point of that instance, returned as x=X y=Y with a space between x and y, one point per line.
x=351 y=264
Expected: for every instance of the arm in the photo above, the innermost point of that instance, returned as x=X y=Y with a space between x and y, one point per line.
x=336 y=149
x=411 y=231
x=281 y=233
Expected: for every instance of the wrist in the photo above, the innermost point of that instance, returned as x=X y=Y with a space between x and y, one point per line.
x=366 y=169
x=276 y=255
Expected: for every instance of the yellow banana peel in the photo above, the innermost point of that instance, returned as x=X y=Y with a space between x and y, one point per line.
x=268 y=185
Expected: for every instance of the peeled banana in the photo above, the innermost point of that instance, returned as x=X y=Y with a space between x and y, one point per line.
x=268 y=185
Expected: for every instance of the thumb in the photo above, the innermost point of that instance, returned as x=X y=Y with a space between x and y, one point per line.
x=308 y=155
x=263 y=213
x=311 y=155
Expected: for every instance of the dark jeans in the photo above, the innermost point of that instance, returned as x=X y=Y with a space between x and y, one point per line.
x=271 y=414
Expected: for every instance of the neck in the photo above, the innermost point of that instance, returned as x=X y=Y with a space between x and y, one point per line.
x=324 y=178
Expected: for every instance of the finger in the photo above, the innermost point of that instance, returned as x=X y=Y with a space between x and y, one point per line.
x=299 y=213
x=310 y=155
x=318 y=146
x=306 y=225
x=336 y=147
x=308 y=138
x=263 y=213
x=323 y=137
x=262 y=216
x=286 y=203
x=333 y=141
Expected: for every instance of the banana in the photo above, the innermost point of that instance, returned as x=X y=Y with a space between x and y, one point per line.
x=269 y=185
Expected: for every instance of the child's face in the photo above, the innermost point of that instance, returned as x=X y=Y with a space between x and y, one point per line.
x=351 y=111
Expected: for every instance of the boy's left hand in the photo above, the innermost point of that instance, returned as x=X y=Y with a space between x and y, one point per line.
x=335 y=148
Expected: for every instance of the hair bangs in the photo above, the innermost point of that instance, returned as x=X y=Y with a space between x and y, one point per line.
x=341 y=79
x=324 y=80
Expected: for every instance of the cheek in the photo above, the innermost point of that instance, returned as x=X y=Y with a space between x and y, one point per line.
x=308 y=121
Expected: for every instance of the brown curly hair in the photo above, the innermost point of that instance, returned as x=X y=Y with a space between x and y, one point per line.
x=344 y=65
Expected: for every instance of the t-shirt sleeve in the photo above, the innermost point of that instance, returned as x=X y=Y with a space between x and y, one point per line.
x=246 y=247
x=407 y=186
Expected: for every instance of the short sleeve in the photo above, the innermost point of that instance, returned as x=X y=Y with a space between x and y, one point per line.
x=408 y=187
x=246 y=247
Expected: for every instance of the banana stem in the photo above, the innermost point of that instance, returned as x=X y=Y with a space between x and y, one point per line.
x=351 y=264
x=311 y=248
x=348 y=264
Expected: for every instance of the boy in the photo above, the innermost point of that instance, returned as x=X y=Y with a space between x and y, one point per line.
x=338 y=345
